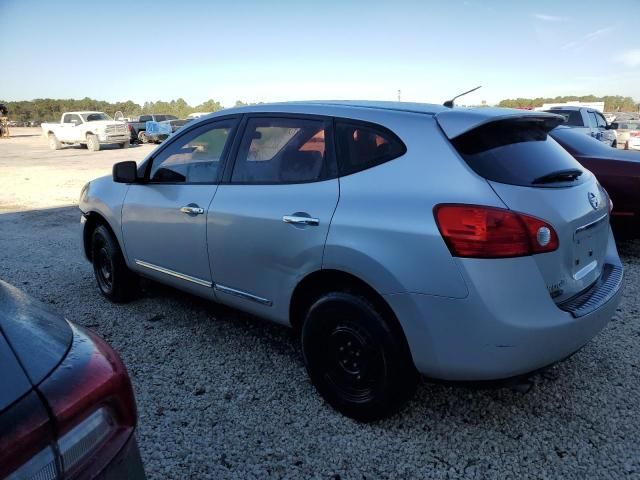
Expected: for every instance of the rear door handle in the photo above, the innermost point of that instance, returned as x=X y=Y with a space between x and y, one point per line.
x=192 y=209
x=301 y=220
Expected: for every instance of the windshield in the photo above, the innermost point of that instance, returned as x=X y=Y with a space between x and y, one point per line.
x=94 y=117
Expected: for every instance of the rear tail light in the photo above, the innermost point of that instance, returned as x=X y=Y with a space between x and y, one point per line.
x=129 y=127
x=487 y=232
x=91 y=400
x=634 y=133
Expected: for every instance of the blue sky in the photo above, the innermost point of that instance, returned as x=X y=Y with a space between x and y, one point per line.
x=291 y=50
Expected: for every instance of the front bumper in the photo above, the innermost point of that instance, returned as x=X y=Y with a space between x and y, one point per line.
x=507 y=326
x=120 y=138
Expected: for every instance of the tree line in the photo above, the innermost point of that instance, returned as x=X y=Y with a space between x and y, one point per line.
x=612 y=103
x=49 y=109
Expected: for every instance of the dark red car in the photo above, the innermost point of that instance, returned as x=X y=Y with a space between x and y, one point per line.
x=66 y=404
x=618 y=171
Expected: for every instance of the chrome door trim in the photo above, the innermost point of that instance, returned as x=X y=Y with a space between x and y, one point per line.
x=173 y=273
x=241 y=294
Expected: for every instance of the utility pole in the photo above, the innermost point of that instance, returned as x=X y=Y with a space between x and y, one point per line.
x=398 y=94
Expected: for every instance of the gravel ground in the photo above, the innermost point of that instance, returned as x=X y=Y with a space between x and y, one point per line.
x=224 y=395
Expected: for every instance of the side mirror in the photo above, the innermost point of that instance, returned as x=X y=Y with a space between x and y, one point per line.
x=125 y=172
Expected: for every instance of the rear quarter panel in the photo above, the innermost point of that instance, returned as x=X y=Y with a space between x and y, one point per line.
x=384 y=231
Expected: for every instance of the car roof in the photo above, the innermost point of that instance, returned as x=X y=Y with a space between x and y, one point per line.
x=454 y=121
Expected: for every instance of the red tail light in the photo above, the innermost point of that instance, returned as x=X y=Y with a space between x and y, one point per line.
x=91 y=400
x=634 y=133
x=129 y=127
x=487 y=232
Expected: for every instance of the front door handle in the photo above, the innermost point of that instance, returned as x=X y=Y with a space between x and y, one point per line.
x=301 y=220
x=192 y=209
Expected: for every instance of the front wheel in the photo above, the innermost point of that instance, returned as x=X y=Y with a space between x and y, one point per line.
x=93 y=143
x=356 y=360
x=115 y=280
x=54 y=143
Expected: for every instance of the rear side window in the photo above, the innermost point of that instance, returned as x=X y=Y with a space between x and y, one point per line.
x=283 y=150
x=361 y=146
x=145 y=118
x=572 y=117
x=514 y=152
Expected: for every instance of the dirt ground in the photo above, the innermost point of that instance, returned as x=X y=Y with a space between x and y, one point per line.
x=32 y=176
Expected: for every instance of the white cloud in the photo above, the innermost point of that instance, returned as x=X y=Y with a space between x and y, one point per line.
x=598 y=33
x=548 y=18
x=589 y=37
x=631 y=58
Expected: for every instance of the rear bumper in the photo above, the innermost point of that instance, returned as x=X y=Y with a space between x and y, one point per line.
x=507 y=326
x=127 y=465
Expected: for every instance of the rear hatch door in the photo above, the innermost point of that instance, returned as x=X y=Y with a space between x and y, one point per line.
x=534 y=175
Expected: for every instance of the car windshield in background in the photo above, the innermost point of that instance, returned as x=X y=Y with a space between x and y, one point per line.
x=95 y=117
x=628 y=125
x=578 y=143
x=572 y=117
x=515 y=153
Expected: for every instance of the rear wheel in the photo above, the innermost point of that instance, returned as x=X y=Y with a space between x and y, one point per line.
x=142 y=137
x=356 y=360
x=93 y=143
x=115 y=280
x=54 y=143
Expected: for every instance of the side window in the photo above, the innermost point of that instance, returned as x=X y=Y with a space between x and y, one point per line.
x=283 y=150
x=194 y=157
x=593 y=123
x=602 y=123
x=145 y=118
x=70 y=117
x=361 y=146
x=160 y=118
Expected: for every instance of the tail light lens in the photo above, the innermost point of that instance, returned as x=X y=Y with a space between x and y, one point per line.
x=93 y=407
x=129 y=127
x=487 y=232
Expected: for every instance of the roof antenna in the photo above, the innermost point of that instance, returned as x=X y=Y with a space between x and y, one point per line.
x=449 y=103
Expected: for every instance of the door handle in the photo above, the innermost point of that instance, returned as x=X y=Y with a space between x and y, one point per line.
x=192 y=209
x=301 y=220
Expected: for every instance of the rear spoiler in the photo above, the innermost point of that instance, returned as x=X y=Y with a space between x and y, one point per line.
x=458 y=121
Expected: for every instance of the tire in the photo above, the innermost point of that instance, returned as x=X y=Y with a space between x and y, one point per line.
x=124 y=145
x=626 y=146
x=93 y=143
x=115 y=281
x=142 y=137
x=54 y=143
x=357 y=361
x=614 y=144
x=83 y=146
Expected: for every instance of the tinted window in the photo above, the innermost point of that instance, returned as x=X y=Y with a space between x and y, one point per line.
x=361 y=146
x=572 y=117
x=94 y=117
x=513 y=152
x=194 y=157
x=282 y=150
x=145 y=118
x=69 y=118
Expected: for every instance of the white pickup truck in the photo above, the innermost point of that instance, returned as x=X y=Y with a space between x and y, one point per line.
x=86 y=128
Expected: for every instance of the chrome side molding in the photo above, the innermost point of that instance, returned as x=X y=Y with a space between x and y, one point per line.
x=173 y=273
x=241 y=294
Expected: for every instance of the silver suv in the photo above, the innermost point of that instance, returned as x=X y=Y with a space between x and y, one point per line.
x=398 y=239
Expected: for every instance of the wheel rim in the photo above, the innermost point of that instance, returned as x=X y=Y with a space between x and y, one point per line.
x=103 y=266
x=353 y=365
x=52 y=142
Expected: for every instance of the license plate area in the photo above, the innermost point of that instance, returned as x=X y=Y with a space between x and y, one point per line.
x=589 y=244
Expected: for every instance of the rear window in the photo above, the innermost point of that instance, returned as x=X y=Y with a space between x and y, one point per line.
x=572 y=117
x=361 y=146
x=515 y=152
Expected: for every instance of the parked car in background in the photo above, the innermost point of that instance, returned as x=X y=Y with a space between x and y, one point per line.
x=86 y=128
x=618 y=171
x=625 y=131
x=138 y=127
x=366 y=246
x=67 y=408
x=174 y=126
x=633 y=143
x=588 y=121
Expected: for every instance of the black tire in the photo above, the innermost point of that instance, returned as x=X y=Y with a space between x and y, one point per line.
x=142 y=137
x=614 y=144
x=355 y=358
x=115 y=280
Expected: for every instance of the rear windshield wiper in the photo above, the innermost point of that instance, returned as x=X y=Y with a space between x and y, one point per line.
x=559 y=176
